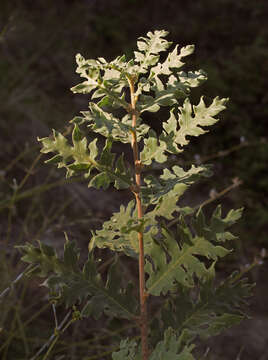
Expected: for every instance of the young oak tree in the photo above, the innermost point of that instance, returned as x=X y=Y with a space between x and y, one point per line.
x=175 y=261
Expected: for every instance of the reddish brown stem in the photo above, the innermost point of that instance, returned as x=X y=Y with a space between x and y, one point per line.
x=143 y=297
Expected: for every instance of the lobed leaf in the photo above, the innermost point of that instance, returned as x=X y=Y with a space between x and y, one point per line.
x=107 y=125
x=153 y=150
x=127 y=351
x=72 y=285
x=44 y=256
x=164 y=95
x=104 y=80
x=192 y=78
x=85 y=158
x=112 y=299
x=172 y=182
x=191 y=121
x=211 y=311
x=215 y=231
x=171 y=348
x=120 y=232
x=104 y=123
x=149 y=48
x=173 y=61
x=182 y=262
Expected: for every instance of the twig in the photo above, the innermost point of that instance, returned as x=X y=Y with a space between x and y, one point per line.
x=55 y=316
x=205 y=158
x=52 y=337
x=217 y=195
x=36 y=190
x=10 y=287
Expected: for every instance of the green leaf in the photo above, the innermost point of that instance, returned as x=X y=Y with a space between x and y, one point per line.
x=108 y=85
x=172 y=183
x=112 y=299
x=107 y=157
x=173 y=61
x=83 y=157
x=101 y=180
x=77 y=134
x=177 y=87
x=183 y=263
x=216 y=229
x=192 y=78
x=164 y=95
x=59 y=144
x=109 y=172
x=44 y=256
x=182 y=266
x=107 y=125
x=149 y=48
x=121 y=171
x=164 y=194
x=71 y=255
x=153 y=150
x=120 y=232
x=171 y=348
x=89 y=69
x=127 y=351
x=79 y=153
x=212 y=310
x=85 y=87
x=72 y=285
x=191 y=122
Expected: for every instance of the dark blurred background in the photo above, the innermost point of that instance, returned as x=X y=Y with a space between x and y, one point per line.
x=38 y=44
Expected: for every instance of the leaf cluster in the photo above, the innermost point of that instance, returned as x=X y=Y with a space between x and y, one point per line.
x=178 y=261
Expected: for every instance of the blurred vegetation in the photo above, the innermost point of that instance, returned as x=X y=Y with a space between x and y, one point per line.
x=38 y=43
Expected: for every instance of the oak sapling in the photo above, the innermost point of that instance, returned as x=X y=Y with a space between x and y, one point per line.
x=172 y=260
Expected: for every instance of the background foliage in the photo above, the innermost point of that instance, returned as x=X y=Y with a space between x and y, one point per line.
x=38 y=42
